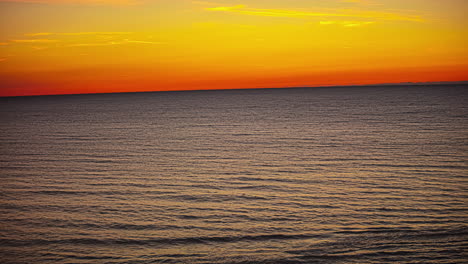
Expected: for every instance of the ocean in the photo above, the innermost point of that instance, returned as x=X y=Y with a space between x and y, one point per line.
x=374 y=174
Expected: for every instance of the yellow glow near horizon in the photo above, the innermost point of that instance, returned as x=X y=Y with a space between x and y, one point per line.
x=82 y=46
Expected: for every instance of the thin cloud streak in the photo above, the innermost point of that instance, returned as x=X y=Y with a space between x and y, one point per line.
x=142 y=42
x=34 y=40
x=38 y=34
x=94 y=33
x=243 y=9
x=81 y=2
x=76 y=33
x=75 y=42
x=347 y=23
x=111 y=43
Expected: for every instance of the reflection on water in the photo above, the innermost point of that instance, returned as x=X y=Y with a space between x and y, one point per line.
x=327 y=175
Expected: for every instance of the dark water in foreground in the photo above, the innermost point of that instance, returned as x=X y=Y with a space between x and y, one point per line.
x=327 y=175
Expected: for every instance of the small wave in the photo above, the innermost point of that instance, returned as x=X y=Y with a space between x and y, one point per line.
x=92 y=257
x=156 y=241
x=70 y=192
x=287 y=180
x=425 y=166
x=216 y=198
x=409 y=232
x=388 y=245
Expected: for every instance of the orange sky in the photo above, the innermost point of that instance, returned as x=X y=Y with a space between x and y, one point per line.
x=93 y=46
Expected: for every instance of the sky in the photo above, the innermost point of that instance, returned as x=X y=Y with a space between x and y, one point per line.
x=100 y=46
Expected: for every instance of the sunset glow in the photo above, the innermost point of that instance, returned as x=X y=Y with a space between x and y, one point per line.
x=100 y=46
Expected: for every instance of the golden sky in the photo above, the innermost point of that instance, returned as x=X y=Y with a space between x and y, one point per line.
x=93 y=46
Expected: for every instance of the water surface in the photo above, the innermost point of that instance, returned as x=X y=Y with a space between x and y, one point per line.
x=318 y=175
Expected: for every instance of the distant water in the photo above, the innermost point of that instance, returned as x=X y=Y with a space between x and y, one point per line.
x=320 y=175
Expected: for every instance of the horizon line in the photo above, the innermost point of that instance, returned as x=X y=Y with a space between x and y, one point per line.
x=464 y=82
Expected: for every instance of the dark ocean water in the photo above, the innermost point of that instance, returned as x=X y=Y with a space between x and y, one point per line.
x=323 y=175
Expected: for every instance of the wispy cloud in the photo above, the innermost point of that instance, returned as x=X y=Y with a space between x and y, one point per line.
x=141 y=42
x=76 y=33
x=34 y=40
x=40 y=34
x=94 y=33
x=75 y=39
x=347 y=23
x=111 y=43
x=85 y=2
x=337 y=13
x=92 y=44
